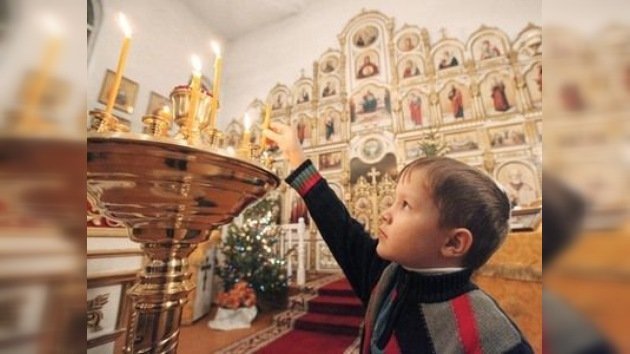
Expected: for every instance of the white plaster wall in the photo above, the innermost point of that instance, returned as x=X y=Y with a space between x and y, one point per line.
x=165 y=34
x=255 y=62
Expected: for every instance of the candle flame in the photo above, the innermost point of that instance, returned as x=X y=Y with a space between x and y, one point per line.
x=216 y=48
x=246 y=122
x=52 y=26
x=196 y=63
x=124 y=24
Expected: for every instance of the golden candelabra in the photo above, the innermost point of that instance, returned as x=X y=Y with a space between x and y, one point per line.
x=171 y=191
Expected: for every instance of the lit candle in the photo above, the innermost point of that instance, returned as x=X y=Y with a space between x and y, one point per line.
x=246 y=134
x=49 y=59
x=195 y=86
x=266 y=123
x=218 y=63
x=122 y=59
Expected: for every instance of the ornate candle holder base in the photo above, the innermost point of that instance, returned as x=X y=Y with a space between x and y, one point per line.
x=171 y=196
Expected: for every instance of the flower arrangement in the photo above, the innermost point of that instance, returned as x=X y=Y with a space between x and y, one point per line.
x=241 y=295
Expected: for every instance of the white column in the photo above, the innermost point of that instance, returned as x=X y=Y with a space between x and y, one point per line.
x=288 y=253
x=301 y=271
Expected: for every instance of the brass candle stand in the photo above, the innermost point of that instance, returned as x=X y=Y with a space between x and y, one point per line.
x=171 y=192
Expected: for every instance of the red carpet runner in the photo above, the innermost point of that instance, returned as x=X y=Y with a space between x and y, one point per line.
x=329 y=327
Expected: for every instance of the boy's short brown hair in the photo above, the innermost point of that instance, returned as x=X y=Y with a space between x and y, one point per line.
x=466 y=197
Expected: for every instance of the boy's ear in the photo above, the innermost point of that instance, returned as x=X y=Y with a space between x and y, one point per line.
x=457 y=243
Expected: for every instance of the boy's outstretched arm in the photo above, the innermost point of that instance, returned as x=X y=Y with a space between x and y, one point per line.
x=349 y=243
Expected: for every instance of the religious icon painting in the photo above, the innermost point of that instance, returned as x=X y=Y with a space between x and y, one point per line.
x=462 y=142
x=448 y=57
x=330 y=161
x=369 y=104
x=298 y=210
x=330 y=88
x=534 y=79
x=329 y=64
x=303 y=129
x=367 y=65
x=498 y=95
x=330 y=127
x=365 y=36
x=157 y=103
x=55 y=91
x=303 y=94
x=412 y=150
x=506 y=136
x=408 y=42
x=279 y=100
x=487 y=47
x=125 y=100
x=455 y=101
x=415 y=110
x=409 y=68
x=520 y=183
x=372 y=150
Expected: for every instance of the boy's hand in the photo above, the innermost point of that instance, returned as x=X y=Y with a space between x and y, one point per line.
x=286 y=138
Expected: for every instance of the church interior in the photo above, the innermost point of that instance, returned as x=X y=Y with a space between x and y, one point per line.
x=367 y=92
x=195 y=243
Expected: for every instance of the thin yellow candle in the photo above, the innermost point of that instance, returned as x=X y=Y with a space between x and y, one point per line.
x=51 y=53
x=246 y=134
x=218 y=64
x=266 y=123
x=195 y=86
x=122 y=60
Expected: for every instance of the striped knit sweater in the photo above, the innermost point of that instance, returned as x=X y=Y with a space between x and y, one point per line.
x=407 y=312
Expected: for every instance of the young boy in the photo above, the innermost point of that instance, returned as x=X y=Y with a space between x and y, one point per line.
x=446 y=221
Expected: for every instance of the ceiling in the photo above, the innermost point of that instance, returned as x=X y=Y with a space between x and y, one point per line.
x=233 y=18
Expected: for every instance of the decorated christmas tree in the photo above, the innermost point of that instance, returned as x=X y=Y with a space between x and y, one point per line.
x=250 y=256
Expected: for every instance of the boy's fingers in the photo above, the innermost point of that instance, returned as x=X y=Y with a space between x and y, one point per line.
x=268 y=133
x=278 y=127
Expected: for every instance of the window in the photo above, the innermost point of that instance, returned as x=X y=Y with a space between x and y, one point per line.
x=94 y=12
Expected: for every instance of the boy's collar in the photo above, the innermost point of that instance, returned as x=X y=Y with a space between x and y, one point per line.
x=434 y=271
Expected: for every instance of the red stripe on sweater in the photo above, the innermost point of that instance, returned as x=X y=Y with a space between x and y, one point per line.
x=392 y=346
x=466 y=325
x=310 y=182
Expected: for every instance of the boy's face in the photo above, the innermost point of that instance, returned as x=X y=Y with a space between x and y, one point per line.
x=409 y=233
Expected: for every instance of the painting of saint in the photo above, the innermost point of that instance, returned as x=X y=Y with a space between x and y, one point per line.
x=499 y=99
x=457 y=103
x=304 y=96
x=301 y=130
x=367 y=69
x=329 y=65
x=329 y=127
x=298 y=210
x=519 y=184
x=407 y=43
x=507 y=137
x=415 y=109
x=448 y=60
x=411 y=69
x=462 y=142
x=372 y=149
x=488 y=50
x=278 y=103
x=369 y=103
x=329 y=161
x=365 y=37
x=329 y=90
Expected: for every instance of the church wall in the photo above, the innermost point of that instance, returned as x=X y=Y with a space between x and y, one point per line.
x=257 y=61
x=165 y=35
